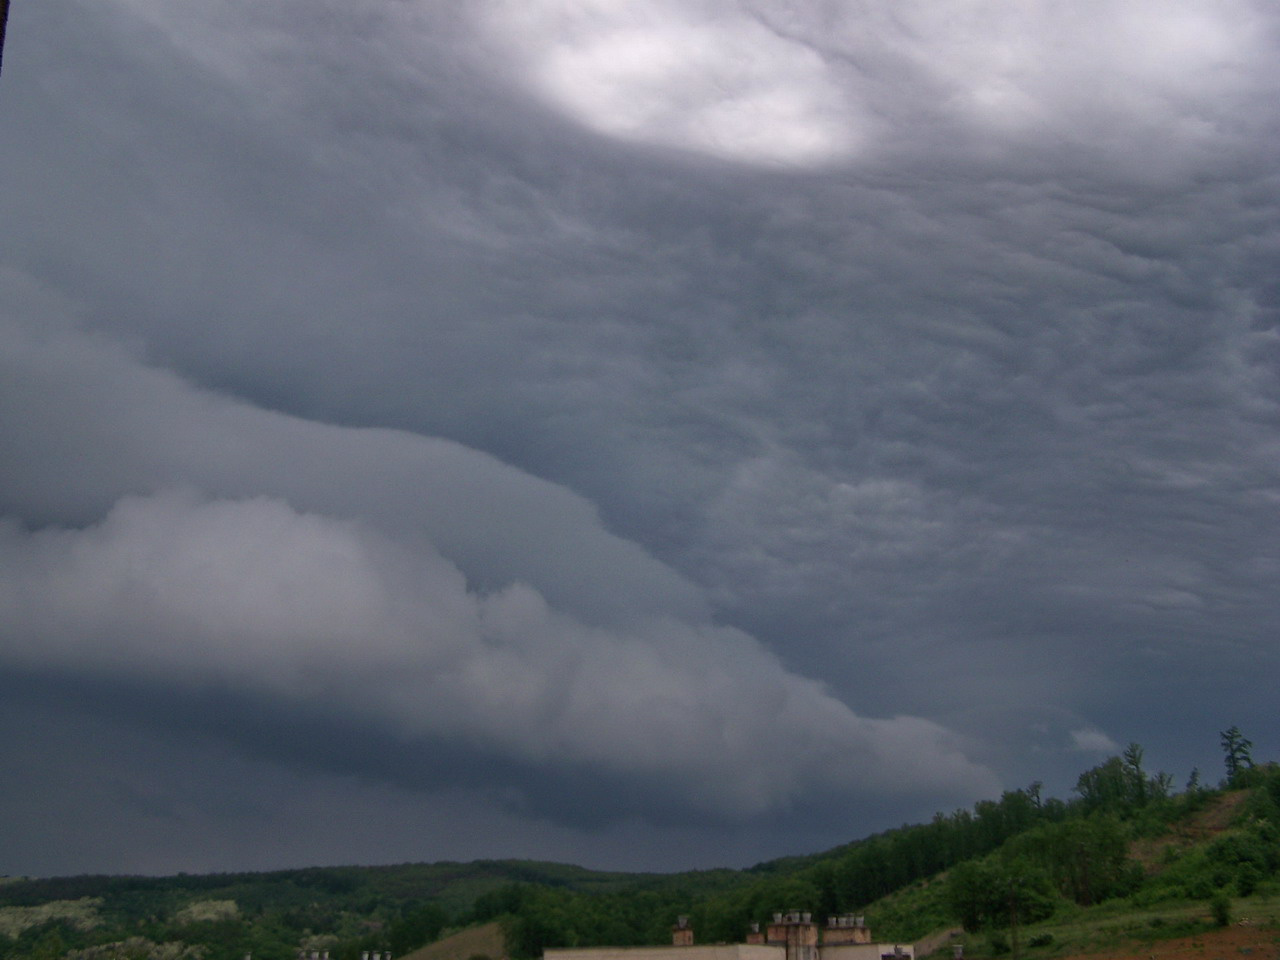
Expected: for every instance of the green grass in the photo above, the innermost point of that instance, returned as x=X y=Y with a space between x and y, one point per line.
x=1115 y=925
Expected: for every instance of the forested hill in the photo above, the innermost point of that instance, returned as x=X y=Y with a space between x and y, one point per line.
x=1125 y=835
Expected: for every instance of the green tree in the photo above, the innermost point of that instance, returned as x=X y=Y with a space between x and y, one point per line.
x=999 y=892
x=1104 y=787
x=1121 y=786
x=1237 y=750
x=49 y=946
x=1134 y=776
x=1085 y=857
x=416 y=928
x=1220 y=907
x=527 y=936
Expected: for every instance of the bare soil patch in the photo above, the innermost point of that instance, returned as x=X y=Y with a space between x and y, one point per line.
x=1196 y=829
x=1241 y=941
x=483 y=941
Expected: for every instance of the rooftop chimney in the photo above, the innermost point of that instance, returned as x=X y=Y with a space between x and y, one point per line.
x=682 y=933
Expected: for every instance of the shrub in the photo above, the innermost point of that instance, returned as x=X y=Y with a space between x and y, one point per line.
x=1247 y=879
x=1200 y=887
x=1220 y=907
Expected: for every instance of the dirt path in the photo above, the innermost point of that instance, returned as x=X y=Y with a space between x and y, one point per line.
x=1242 y=941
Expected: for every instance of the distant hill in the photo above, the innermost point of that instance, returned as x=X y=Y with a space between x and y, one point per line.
x=1125 y=846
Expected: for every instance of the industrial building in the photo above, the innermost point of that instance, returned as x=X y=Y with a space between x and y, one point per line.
x=791 y=936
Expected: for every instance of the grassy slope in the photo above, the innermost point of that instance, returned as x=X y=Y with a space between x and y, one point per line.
x=1201 y=827
x=1118 y=928
x=1121 y=930
x=485 y=940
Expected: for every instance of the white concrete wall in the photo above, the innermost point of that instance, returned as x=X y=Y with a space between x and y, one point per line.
x=731 y=951
x=940 y=939
x=716 y=951
x=867 y=951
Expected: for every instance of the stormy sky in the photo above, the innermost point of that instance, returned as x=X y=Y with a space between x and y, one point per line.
x=647 y=435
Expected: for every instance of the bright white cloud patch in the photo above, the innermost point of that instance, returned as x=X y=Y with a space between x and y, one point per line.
x=817 y=81
x=682 y=75
x=1091 y=740
x=1051 y=65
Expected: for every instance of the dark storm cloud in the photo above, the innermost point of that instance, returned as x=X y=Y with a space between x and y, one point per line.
x=917 y=362
x=534 y=637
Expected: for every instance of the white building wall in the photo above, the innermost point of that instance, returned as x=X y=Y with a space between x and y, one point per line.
x=868 y=951
x=711 y=951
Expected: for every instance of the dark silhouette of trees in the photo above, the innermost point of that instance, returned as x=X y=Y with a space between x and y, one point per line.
x=4 y=19
x=1238 y=757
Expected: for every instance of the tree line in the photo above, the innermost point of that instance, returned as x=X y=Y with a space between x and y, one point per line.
x=1004 y=862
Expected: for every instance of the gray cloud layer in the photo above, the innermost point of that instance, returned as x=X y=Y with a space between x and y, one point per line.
x=661 y=422
x=439 y=592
